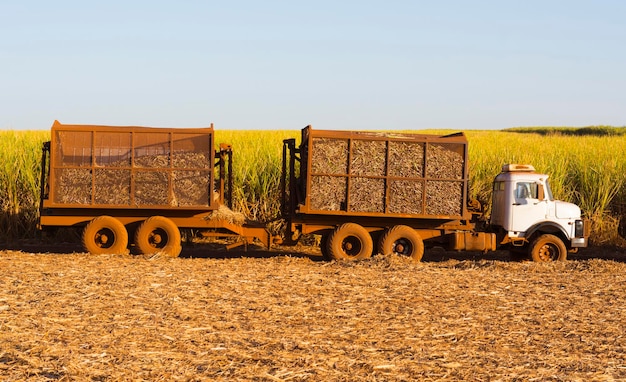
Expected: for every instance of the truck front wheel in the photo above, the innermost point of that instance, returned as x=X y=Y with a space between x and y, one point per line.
x=548 y=248
x=349 y=241
x=105 y=234
x=158 y=234
x=402 y=240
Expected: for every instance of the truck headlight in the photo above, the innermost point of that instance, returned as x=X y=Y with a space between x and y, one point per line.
x=579 y=228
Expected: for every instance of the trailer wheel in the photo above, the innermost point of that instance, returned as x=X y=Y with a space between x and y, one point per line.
x=105 y=234
x=349 y=241
x=158 y=234
x=548 y=248
x=402 y=240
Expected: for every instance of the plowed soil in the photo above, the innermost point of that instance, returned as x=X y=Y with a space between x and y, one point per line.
x=288 y=316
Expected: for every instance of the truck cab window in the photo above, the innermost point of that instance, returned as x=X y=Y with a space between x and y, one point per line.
x=498 y=186
x=526 y=190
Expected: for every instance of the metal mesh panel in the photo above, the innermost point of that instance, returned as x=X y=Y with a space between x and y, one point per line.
x=112 y=149
x=445 y=161
x=133 y=167
x=377 y=173
x=73 y=148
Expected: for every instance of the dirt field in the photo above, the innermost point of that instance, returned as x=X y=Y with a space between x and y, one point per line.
x=287 y=316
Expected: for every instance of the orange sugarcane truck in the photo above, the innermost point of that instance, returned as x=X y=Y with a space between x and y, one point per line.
x=363 y=192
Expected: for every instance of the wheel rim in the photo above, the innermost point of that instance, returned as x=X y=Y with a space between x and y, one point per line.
x=158 y=238
x=402 y=246
x=352 y=246
x=548 y=252
x=103 y=238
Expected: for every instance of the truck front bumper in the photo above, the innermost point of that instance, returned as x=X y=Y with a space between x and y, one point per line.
x=578 y=242
x=582 y=230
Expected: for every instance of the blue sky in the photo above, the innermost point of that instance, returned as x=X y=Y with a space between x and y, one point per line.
x=333 y=64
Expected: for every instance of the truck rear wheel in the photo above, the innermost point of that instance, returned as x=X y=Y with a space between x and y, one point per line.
x=158 y=234
x=548 y=248
x=402 y=240
x=105 y=234
x=349 y=241
x=324 y=246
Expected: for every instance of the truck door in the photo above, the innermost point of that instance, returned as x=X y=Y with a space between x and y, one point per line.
x=527 y=209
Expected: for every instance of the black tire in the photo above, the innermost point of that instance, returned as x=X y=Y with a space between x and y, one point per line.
x=105 y=234
x=324 y=246
x=548 y=248
x=158 y=234
x=349 y=241
x=402 y=240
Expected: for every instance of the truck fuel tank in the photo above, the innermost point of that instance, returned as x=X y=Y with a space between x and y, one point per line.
x=473 y=241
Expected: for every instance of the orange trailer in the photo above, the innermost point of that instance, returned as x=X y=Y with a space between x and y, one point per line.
x=113 y=182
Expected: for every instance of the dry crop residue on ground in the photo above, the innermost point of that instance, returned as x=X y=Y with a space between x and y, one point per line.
x=81 y=317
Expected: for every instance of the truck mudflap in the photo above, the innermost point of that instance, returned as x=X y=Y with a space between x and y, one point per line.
x=473 y=241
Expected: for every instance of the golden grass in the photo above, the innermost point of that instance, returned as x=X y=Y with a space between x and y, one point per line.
x=257 y=158
x=20 y=160
x=81 y=317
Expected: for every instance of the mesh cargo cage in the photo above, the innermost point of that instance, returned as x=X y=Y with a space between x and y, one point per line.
x=381 y=174
x=131 y=167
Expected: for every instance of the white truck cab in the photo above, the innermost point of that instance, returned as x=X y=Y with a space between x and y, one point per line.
x=530 y=220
